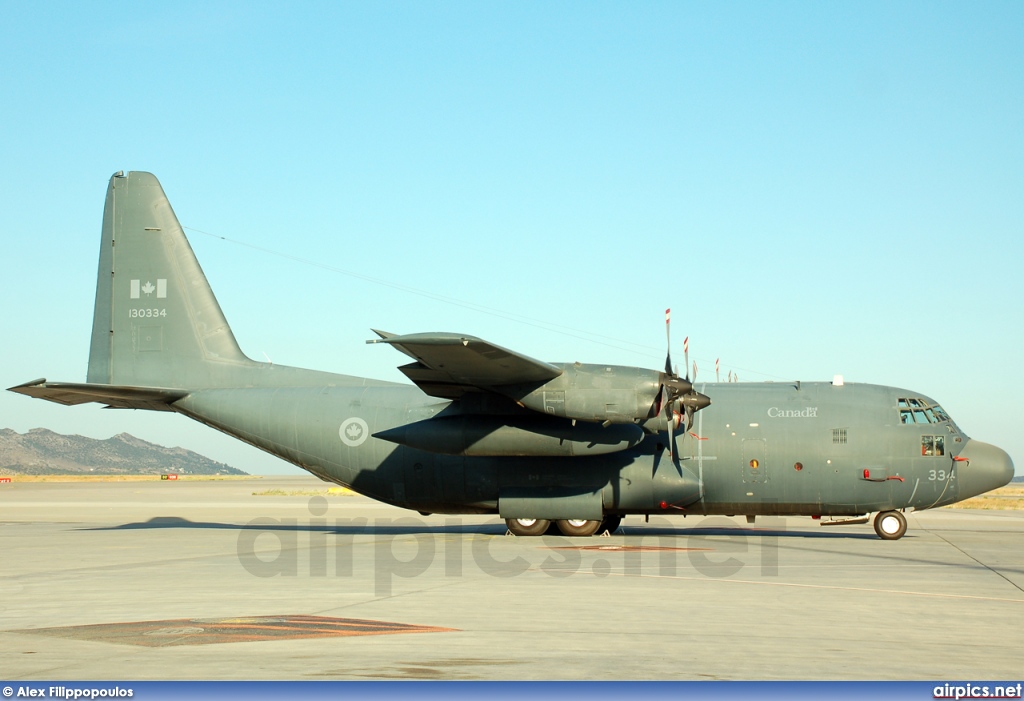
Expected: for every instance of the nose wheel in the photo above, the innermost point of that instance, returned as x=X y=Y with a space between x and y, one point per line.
x=890 y=525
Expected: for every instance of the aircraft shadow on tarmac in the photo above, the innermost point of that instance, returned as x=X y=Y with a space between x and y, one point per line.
x=638 y=535
x=411 y=526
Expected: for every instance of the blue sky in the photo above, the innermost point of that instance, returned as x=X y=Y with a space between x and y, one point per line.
x=814 y=188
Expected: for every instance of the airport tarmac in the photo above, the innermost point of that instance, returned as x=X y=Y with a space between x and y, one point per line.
x=204 y=580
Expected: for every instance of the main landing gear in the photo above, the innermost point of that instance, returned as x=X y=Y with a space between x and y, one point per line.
x=527 y=526
x=890 y=525
x=572 y=527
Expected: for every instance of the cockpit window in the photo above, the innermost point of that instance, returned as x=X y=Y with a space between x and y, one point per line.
x=914 y=410
x=933 y=446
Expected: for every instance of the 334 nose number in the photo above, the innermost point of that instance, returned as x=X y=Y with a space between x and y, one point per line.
x=146 y=313
x=939 y=475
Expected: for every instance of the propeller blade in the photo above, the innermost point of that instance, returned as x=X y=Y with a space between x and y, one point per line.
x=671 y=438
x=666 y=405
x=686 y=356
x=668 y=342
x=677 y=397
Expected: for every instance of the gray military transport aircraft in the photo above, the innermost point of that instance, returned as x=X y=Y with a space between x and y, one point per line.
x=486 y=430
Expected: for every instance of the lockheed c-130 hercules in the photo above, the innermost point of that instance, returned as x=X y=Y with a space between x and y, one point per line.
x=486 y=430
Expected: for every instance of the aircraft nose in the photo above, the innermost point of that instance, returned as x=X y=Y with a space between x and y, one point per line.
x=986 y=468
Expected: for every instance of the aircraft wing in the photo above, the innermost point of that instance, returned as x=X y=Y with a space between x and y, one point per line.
x=114 y=396
x=448 y=364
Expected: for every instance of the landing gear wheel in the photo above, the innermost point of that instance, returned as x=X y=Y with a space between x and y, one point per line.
x=527 y=526
x=609 y=525
x=578 y=527
x=890 y=525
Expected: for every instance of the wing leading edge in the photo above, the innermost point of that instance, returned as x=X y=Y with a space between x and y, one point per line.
x=448 y=364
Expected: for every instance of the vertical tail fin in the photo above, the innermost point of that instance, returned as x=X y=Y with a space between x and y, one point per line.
x=157 y=322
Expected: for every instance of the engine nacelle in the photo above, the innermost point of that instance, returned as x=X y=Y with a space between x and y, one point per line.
x=599 y=393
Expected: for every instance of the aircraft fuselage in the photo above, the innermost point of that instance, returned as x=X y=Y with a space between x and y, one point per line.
x=764 y=448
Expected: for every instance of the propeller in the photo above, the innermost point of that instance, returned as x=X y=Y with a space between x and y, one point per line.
x=677 y=395
x=670 y=378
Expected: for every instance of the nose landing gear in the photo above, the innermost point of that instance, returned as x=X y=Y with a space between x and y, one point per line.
x=890 y=525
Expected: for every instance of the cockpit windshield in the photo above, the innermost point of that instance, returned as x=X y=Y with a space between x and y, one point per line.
x=914 y=410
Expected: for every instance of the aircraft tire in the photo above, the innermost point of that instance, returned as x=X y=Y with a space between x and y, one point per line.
x=610 y=524
x=578 y=527
x=890 y=525
x=527 y=526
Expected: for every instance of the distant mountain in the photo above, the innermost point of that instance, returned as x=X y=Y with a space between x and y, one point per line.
x=43 y=452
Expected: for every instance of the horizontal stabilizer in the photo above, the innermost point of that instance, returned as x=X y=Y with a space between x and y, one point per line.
x=115 y=396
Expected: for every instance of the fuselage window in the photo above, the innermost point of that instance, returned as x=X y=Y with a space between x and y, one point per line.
x=906 y=417
x=933 y=445
x=927 y=445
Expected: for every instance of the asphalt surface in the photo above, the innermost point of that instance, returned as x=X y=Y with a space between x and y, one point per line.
x=204 y=580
